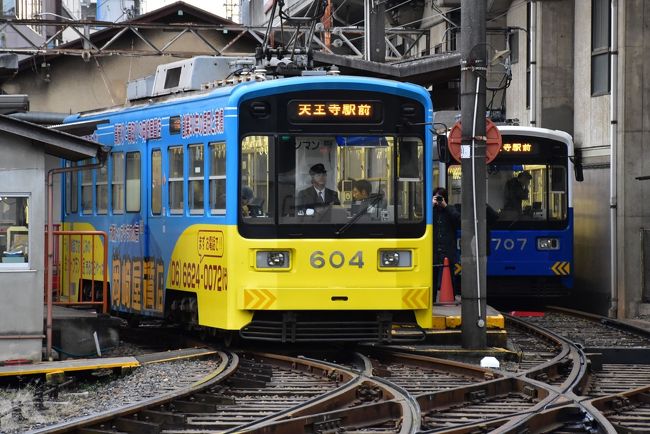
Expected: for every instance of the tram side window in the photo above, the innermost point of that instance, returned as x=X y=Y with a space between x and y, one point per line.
x=176 y=174
x=256 y=183
x=133 y=182
x=558 y=193
x=195 y=179
x=525 y=194
x=71 y=193
x=118 y=183
x=87 y=189
x=101 y=189
x=156 y=181
x=217 y=178
x=410 y=191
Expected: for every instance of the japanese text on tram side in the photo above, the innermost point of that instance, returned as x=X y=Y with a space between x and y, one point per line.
x=209 y=243
x=212 y=277
x=197 y=124
x=126 y=233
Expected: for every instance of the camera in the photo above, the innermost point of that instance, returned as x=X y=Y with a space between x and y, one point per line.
x=438 y=199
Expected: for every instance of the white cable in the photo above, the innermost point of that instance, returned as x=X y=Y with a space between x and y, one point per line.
x=478 y=274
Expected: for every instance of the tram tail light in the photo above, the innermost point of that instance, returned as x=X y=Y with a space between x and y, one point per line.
x=395 y=259
x=547 y=243
x=272 y=259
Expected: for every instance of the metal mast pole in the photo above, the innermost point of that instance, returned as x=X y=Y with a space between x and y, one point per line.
x=473 y=230
x=375 y=31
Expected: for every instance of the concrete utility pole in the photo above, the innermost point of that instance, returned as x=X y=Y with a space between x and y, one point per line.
x=473 y=248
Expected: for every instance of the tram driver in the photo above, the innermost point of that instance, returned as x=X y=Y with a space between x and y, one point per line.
x=317 y=195
x=516 y=192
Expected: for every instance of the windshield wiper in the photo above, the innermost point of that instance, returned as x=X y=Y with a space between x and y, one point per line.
x=373 y=200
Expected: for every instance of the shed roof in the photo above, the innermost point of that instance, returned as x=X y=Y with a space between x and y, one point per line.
x=56 y=143
x=174 y=14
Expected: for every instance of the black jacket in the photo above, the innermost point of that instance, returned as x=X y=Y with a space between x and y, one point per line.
x=308 y=198
x=446 y=221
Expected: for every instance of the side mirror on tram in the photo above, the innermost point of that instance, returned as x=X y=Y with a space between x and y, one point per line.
x=443 y=149
x=577 y=167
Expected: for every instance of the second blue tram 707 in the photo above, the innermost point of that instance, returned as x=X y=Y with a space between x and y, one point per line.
x=529 y=186
x=201 y=199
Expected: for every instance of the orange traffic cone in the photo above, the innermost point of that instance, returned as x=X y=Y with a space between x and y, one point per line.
x=446 y=295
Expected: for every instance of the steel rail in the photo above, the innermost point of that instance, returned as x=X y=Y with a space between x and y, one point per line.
x=329 y=410
x=226 y=368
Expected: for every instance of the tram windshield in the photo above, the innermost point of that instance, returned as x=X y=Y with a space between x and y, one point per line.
x=336 y=180
x=523 y=195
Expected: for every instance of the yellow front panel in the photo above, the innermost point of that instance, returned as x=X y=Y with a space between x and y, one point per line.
x=220 y=267
x=335 y=299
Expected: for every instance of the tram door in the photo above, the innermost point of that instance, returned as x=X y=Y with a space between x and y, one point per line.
x=153 y=270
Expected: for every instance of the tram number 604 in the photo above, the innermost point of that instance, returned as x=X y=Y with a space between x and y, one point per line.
x=336 y=259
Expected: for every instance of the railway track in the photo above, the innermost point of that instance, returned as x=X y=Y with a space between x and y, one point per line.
x=575 y=373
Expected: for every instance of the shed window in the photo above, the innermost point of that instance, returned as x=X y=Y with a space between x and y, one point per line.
x=14 y=231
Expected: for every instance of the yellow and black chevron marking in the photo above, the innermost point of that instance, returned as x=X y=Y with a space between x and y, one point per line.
x=457 y=269
x=416 y=298
x=258 y=298
x=561 y=268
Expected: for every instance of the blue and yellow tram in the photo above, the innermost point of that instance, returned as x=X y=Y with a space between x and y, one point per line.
x=203 y=199
x=529 y=186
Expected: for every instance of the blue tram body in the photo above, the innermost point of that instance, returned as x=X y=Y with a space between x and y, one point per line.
x=531 y=242
x=199 y=193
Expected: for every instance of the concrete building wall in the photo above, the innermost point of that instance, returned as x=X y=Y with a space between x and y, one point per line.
x=591 y=197
x=591 y=134
x=564 y=102
x=21 y=313
x=516 y=93
x=633 y=149
x=555 y=65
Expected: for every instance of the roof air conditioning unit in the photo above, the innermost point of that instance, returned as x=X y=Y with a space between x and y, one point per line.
x=447 y=3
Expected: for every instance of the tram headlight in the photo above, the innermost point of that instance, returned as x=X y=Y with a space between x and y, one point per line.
x=548 y=243
x=395 y=259
x=272 y=259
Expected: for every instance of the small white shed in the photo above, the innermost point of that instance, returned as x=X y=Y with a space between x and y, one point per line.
x=24 y=147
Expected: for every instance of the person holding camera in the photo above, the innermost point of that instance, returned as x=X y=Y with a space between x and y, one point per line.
x=446 y=221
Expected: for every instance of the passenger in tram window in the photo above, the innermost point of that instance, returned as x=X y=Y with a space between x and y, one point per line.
x=446 y=221
x=246 y=198
x=361 y=190
x=317 y=195
x=362 y=197
x=517 y=191
x=251 y=206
